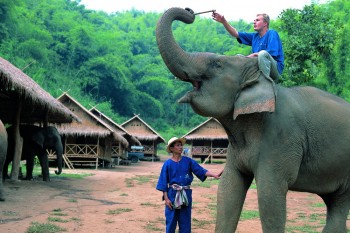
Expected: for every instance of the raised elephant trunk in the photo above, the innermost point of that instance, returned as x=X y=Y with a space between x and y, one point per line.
x=181 y=64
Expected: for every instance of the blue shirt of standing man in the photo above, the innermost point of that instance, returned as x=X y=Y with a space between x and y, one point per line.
x=263 y=39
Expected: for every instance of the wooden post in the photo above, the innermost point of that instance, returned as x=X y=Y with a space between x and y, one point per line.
x=16 y=162
x=98 y=150
x=211 y=150
x=154 y=151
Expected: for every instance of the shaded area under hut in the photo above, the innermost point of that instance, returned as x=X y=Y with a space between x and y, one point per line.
x=23 y=101
x=148 y=137
x=93 y=141
x=207 y=141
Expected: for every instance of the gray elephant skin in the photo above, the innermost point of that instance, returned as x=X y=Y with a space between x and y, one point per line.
x=36 y=141
x=3 y=152
x=285 y=138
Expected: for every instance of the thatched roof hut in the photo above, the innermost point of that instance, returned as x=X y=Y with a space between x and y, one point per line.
x=90 y=124
x=141 y=130
x=211 y=129
x=208 y=140
x=148 y=137
x=37 y=105
x=116 y=127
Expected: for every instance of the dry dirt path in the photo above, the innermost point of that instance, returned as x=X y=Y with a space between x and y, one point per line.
x=124 y=199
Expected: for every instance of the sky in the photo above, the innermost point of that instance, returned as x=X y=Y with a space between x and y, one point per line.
x=232 y=10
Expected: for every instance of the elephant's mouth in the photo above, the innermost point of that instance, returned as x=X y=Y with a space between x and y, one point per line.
x=191 y=94
x=196 y=85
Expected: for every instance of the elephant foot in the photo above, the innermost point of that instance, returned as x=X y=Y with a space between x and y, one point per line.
x=29 y=178
x=2 y=199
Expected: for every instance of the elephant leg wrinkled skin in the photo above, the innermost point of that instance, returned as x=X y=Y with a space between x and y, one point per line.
x=3 y=152
x=285 y=138
x=232 y=191
x=337 y=210
x=44 y=162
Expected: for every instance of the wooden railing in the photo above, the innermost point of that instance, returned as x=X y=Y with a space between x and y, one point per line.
x=116 y=151
x=82 y=150
x=206 y=150
x=148 y=149
x=81 y=153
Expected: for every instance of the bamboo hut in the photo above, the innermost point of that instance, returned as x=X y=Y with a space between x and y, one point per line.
x=207 y=141
x=148 y=137
x=117 y=128
x=22 y=100
x=90 y=142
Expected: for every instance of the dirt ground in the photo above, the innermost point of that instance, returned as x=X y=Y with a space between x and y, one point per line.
x=124 y=199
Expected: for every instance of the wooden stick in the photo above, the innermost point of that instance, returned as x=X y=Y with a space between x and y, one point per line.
x=204 y=12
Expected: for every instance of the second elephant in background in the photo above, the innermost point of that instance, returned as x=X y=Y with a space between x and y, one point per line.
x=36 y=141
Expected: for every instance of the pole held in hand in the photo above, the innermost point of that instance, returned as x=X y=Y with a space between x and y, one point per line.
x=204 y=12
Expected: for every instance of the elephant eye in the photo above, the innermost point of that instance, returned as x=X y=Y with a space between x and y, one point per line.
x=215 y=64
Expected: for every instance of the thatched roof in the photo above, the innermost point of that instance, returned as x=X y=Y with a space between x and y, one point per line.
x=90 y=125
x=141 y=130
x=211 y=129
x=117 y=128
x=14 y=85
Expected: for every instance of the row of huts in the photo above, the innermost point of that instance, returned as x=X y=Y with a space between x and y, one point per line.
x=89 y=136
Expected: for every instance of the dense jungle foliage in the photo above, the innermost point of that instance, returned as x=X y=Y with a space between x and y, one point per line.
x=112 y=61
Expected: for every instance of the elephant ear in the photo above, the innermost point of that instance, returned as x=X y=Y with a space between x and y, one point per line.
x=38 y=138
x=257 y=95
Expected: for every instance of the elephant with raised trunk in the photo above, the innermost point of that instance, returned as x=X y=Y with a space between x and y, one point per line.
x=285 y=138
x=36 y=142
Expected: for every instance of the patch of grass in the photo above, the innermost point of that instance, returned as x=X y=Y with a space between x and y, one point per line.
x=72 y=200
x=253 y=185
x=206 y=184
x=152 y=227
x=37 y=172
x=75 y=219
x=129 y=182
x=109 y=221
x=160 y=219
x=148 y=204
x=140 y=180
x=115 y=190
x=56 y=219
x=301 y=215
x=320 y=204
x=201 y=223
x=124 y=195
x=304 y=229
x=37 y=227
x=249 y=214
x=118 y=211
x=76 y=175
x=9 y=213
x=59 y=214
